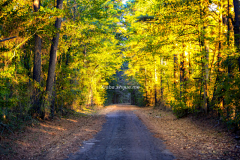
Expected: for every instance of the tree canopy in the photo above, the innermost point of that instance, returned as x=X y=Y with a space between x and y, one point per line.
x=58 y=55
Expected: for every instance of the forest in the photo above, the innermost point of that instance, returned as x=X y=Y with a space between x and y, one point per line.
x=58 y=56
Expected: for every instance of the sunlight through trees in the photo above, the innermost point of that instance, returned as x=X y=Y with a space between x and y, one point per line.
x=185 y=55
x=56 y=56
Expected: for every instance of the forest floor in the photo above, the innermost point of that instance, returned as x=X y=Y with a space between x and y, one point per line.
x=191 y=137
x=50 y=139
x=187 y=138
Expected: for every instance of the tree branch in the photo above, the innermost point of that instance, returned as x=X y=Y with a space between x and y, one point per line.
x=6 y=39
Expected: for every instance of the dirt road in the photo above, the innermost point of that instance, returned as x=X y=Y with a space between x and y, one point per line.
x=123 y=137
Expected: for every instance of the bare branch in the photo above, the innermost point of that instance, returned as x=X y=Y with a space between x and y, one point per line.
x=6 y=39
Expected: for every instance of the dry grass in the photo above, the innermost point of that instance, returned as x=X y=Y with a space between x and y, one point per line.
x=190 y=138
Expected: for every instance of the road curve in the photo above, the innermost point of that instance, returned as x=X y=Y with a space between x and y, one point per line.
x=123 y=137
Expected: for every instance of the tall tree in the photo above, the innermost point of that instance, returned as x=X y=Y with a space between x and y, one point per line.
x=236 y=27
x=37 y=62
x=53 y=57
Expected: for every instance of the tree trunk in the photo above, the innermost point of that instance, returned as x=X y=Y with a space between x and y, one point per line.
x=206 y=78
x=236 y=37
x=146 y=95
x=115 y=97
x=155 y=85
x=175 y=70
x=53 y=55
x=155 y=94
x=182 y=76
x=162 y=89
x=229 y=63
x=236 y=27
x=6 y=39
x=37 y=64
x=215 y=96
x=52 y=107
x=189 y=65
x=205 y=51
x=133 y=102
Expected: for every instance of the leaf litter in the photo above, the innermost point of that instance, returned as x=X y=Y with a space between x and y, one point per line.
x=191 y=137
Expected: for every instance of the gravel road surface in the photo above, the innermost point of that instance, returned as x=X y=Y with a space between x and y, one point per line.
x=123 y=137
